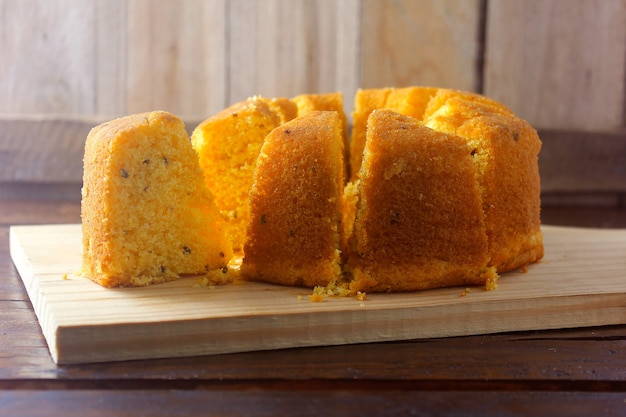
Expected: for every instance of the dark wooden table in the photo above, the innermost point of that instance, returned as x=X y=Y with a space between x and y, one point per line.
x=552 y=373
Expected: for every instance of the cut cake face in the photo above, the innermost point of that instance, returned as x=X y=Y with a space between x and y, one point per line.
x=228 y=144
x=147 y=215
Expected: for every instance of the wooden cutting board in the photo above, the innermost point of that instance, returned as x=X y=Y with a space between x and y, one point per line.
x=581 y=282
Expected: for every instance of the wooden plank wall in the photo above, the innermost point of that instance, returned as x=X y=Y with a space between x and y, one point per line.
x=67 y=65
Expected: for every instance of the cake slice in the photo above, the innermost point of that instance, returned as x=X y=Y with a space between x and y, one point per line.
x=294 y=235
x=505 y=152
x=147 y=216
x=228 y=145
x=419 y=218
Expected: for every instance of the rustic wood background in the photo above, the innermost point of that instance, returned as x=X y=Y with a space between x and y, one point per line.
x=66 y=65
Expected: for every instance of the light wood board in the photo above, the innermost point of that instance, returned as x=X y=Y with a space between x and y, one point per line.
x=581 y=282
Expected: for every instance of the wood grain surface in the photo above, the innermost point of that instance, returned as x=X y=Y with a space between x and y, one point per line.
x=434 y=43
x=558 y=63
x=579 y=283
x=550 y=372
x=339 y=402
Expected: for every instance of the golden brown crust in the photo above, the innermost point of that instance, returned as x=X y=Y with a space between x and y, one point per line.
x=409 y=101
x=442 y=95
x=419 y=221
x=228 y=145
x=294 y=234
x=308 y=103
x=505 y=151
x=365 y=102
x=146 y=214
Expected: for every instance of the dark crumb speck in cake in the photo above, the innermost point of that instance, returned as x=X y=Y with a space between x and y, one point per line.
x=224 y=270
x=186 y=250
x=124 y=173
x=263 y=219
x=165 y=160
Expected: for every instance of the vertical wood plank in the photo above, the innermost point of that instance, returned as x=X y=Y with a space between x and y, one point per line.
x=241 y=77
x=275 y=48
x=47 y=63
x=289 y=47
x=348 y=23
x=558 y=63
x=175 y=56
x=420 y=43
x=214 y=32
x=110 y=59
